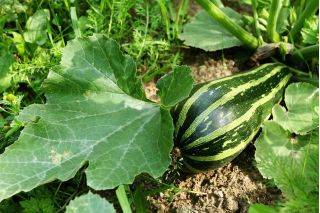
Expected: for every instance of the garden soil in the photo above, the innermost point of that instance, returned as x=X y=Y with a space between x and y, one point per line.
x=231 y=188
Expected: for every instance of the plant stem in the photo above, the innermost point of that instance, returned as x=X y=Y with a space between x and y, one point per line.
x=293 y=70
x=256 y=20
x=165 y=16
x=313 y=81
x=146 y=31
x=218 y=3
x=246 y=38
x=183 y=7
x=302 y=5
x=272 y=20
x=298 y=72
x=123 y=199
x=311 y=7
x=306 y=52
x=111 y=19
x=102 y=5
x=66 y=3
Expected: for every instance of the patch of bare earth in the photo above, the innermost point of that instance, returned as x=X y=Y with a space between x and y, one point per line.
x=228 y=189
x=231 y=188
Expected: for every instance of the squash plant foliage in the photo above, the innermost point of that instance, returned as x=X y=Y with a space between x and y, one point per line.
x=290 y=27
x=96 y=113
x=287 y=151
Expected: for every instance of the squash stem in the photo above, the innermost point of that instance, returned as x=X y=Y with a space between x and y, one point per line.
x=245 y=37
x=313 y=81
x=275 y=9
x=293 y=70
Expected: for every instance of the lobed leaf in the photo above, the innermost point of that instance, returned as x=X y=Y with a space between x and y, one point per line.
x=292 y=162
x=176 y=86
x=302 y=101
x=90 y=117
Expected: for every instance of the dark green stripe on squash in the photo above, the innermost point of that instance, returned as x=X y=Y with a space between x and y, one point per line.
x=221 y=117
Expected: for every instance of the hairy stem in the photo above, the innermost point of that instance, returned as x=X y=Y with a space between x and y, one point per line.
x=272 y=20
x=246 y=38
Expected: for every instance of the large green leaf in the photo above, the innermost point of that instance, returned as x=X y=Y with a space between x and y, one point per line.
x=276 y=150
x=206 y=33
x=302 y=101
x=89 y=117
x=292 y=162
x=90 y=203
x=175 y=86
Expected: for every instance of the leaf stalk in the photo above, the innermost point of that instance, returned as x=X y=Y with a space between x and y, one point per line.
x=275 y=9
x=248 y=40
x=256 y=20
x=123 y=199
x=306 y=53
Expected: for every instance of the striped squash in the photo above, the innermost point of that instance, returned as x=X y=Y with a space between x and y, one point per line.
x=221 y=117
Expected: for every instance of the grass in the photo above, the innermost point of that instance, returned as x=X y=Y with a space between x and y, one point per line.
x=32 y=43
